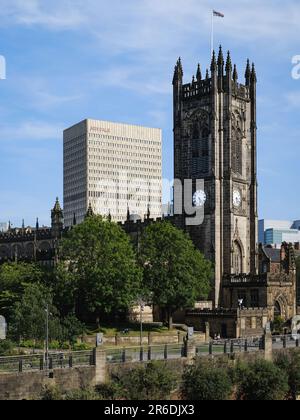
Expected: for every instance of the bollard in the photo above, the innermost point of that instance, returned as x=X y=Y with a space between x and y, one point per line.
x=284 y=342
x=246 y=346
x=20 y=365
x=41 y=363
x=50 y=363
x=225 y=347
x=124 y=356
x=141 y=354
x=166 y=352
x=149 y=353
x=210 y=349
x=231 y=347
x=71 y=361
x=297 y=342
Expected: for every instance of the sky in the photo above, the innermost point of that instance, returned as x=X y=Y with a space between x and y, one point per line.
x=68 y=60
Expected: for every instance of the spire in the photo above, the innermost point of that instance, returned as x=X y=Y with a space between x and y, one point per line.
x=178 y=72
x=207 y=74
x=228 y=64
x=57 y=207
x=128 y=214
x=235 y=75
x=23 y=224
x=253 y=74
x=9 y=226
x=199 y=74
x=37 y=226
x=213 y=66
x=90 y=212
x=148 y=212
x=74 y=220
x=193 y=80
x=248 y=73
x=220 y=57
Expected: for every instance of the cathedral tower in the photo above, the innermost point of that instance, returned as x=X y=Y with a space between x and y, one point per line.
x=215 y=140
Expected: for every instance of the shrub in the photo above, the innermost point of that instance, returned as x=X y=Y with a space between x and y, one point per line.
x=88 y=394
x=110 y=391
x=51 y=393
x=291 y=365
x=263 y=381
x=205 y=382
x=152 y=382
x=6 y=348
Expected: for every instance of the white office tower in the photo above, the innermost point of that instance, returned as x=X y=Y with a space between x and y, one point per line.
x=115 y=168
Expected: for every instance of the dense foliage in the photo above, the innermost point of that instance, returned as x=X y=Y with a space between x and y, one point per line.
x=98 y=273
x=263 y=381
x=154 y=381
x=206 y=382
x=176 y=274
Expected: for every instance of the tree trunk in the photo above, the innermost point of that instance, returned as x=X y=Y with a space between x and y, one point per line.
x=170 y=319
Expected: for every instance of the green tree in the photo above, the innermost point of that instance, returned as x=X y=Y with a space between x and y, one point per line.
x=154 y=381
x=101 y=273
x=14 y=278
x=206 y=382
x=175 y=272
x=263 y=381
x=6 y=348
x=290 y=364
x=72 y=328
x=29 y=315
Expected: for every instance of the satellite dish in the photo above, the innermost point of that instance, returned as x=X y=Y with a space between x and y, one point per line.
x=296 y=327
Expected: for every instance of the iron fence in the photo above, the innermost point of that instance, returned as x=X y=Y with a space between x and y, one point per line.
x=39 y=362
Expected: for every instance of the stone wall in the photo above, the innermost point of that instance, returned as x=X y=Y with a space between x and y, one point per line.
x=29 y=385
x=150 y=339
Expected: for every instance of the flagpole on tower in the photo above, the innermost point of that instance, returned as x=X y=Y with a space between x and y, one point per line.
x=212 y=34
x=213 y=14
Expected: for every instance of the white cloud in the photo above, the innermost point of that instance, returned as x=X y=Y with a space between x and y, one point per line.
x=31 y=130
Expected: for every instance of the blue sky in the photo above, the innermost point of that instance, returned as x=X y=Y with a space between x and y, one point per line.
x=72 y=59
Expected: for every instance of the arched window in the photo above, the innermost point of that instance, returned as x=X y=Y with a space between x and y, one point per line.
x=237 y=259
x=237 y=151
x=200 y=151
x=277 y=310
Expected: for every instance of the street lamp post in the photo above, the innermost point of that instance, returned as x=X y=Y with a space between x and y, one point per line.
x=142 y=307
x=47 y=337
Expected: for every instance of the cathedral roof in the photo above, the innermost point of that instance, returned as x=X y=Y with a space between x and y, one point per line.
x=273 y=254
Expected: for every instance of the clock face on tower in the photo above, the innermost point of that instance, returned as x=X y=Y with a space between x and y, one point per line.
x=199 y=198
x=236 y=198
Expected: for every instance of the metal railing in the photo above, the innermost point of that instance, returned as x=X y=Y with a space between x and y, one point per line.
x=38 y=363
x=145 y=353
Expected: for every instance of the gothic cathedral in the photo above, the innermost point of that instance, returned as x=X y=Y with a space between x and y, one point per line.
x=215 y=140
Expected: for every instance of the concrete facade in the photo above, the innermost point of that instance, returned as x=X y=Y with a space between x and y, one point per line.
x=114 y=168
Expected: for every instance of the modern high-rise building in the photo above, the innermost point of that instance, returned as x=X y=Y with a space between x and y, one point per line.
x=115 y=168
x=3 y=227
x=275 y=232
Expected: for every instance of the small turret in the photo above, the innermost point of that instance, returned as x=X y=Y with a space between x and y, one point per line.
x=228 y=64
x=57 y=219
x=199 y=74
x=248 y=73
x=128 y=214
x=220 y=62
x=178 y=72
x=213 y=65
x=90 y=211
x=235 y=75
x=253 y=74
x=148 y=212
